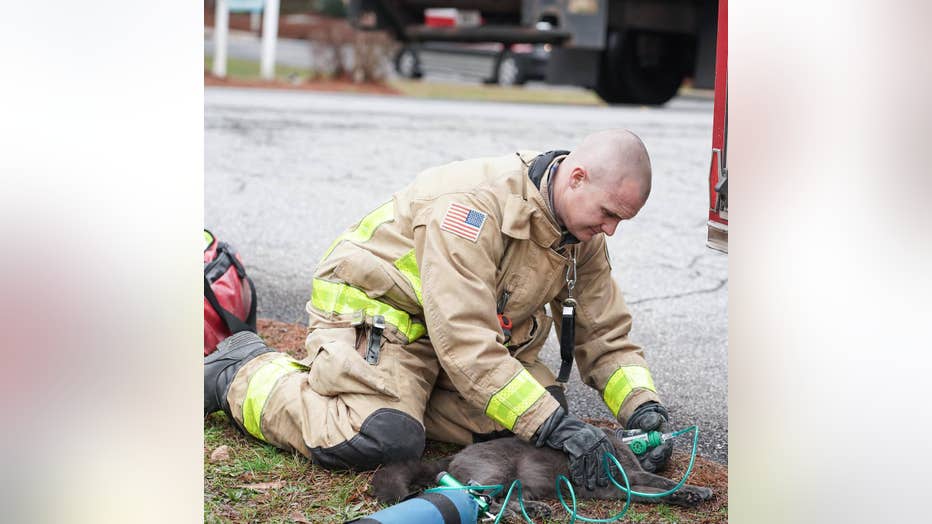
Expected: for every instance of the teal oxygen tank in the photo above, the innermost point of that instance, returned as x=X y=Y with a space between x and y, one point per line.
x=439 y=507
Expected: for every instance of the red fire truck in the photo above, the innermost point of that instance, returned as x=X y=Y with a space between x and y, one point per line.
x=718 y=170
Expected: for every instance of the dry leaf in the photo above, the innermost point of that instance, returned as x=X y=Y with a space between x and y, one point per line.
x=262 y=486
x=299 y=518
x=220 y=454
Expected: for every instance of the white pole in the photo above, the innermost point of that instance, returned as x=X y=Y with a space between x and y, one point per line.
x=269 y=36
x=254 y=21
x=221 y=23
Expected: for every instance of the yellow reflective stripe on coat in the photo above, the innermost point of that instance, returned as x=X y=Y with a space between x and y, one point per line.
x=344 y=299
x=260 y=386
x=367 y=226
x=622 y=382
x=514 y=399
x=408 y=267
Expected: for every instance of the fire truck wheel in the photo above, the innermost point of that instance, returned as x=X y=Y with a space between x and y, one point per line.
x=641 y=67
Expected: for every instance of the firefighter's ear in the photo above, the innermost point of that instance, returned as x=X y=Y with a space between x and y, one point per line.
x=578 y=176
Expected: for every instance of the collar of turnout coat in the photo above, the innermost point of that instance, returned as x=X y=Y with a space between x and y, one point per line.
x=536 y=173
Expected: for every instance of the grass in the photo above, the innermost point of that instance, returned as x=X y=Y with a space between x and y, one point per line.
x=495 y=93
x=663 y=511
x=259 y=483
x=249 y=70
x=256 y=482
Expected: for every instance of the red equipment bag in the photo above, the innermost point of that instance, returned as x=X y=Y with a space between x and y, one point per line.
x=229 y=295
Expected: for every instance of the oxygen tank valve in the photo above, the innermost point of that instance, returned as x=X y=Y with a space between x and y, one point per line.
x=446 y=480
x=640 y=442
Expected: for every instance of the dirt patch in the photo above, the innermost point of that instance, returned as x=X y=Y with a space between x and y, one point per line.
x=289 y=338
x=342 y=86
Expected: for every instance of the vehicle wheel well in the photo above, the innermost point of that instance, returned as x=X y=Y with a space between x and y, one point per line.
x=551 y=18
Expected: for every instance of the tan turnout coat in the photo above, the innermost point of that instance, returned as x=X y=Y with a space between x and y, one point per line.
x=462 y=280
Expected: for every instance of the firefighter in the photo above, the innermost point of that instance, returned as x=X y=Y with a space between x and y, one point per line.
x=428 y=315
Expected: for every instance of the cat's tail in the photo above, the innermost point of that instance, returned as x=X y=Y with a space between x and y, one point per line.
x=394 y=482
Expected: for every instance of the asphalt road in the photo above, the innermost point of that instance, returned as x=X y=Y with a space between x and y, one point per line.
x=286 y=172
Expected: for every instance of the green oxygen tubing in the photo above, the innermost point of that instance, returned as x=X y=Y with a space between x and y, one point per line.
x=638 y=442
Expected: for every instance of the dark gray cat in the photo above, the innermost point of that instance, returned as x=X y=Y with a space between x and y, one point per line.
x=503 y=460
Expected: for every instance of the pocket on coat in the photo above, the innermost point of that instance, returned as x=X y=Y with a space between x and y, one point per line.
x=368 y=273
x=364 y=271
x=530 y=342
x=338 y=368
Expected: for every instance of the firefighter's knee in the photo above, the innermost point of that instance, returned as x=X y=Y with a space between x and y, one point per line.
x=386 y=436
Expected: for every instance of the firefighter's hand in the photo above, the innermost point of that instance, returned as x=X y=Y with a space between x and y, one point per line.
x=584 y=445
x=652 y=416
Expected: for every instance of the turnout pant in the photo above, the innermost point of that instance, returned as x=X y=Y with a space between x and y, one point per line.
x=342 y=410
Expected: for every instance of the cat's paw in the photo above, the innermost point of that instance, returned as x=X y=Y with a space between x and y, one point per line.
x=691 y=495
x=537 y=510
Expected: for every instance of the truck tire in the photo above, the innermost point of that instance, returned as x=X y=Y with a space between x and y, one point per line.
x=508 y=70
x=407 y=63
x=640 y=67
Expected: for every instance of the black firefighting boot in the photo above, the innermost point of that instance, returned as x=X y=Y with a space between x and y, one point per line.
x=221 y=366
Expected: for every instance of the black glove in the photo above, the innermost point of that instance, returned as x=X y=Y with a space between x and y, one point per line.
x=651 y=416
x=584 y=445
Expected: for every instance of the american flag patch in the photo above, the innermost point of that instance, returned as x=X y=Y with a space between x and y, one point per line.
x=463 y=221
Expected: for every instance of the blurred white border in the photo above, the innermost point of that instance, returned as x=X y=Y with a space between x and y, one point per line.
x=829 y=261
x=101 y=205
x=100 y=210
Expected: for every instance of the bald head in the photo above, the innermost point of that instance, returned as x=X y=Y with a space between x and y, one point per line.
x=605 y=180
x=613 y=158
